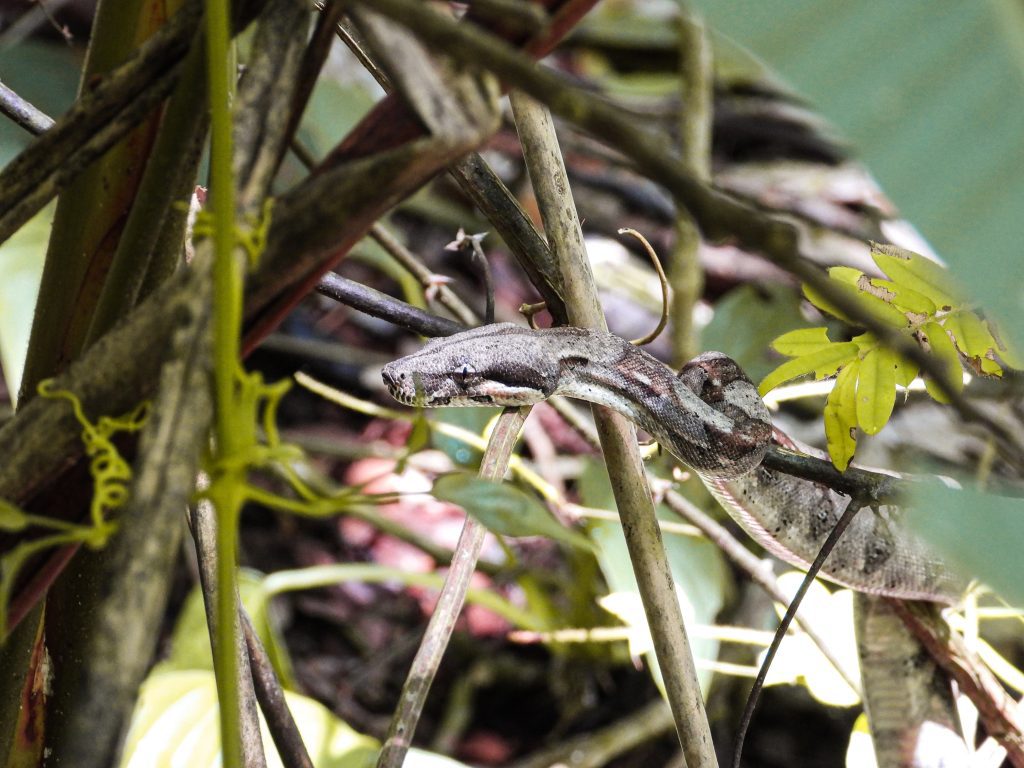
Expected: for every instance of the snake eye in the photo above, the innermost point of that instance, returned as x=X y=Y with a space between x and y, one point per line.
x=465 y=374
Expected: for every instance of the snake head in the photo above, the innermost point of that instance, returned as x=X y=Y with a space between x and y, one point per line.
x=492 y=365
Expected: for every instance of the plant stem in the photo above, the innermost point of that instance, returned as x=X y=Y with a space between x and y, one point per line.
x=227 y=493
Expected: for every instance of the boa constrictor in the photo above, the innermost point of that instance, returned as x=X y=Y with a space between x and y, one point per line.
x=711 y=417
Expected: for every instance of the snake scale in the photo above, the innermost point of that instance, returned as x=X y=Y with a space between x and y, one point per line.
x=710 y=416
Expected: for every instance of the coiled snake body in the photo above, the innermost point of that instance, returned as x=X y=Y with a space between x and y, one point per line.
x=711 y=417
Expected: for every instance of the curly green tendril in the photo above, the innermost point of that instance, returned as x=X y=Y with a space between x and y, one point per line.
x=110 y=472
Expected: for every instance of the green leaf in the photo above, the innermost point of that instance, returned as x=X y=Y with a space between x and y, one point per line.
x=505 y=509
x=701 y=574
x=869 y=305
x=977 y=533
x=12 y=518
x=174 y=724
x=747 y=319
x=919 y=274
x=841 y=417
x=876 y=389
x=942 y=347
x=973 y=339
x=822 y=363
x=801 y=342
x=900 y=296
x=906 y=371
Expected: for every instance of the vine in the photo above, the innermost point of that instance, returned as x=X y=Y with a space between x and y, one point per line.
x=111 y=476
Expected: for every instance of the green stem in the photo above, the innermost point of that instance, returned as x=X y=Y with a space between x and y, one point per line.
x=227 y=285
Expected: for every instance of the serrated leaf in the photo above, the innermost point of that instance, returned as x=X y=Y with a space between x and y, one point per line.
x=505 y=509
x=11 y=518
x=900 y=296
x=801 y=342
x=868 y=304
x=876 y=389
x=919 y=274
x=824 y=362
x=906 y=371
x=841 y=417
x=944 y=350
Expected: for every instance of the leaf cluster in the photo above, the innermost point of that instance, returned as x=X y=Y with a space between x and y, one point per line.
x=917 y=297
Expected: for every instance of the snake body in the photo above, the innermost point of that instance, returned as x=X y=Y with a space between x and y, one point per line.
x=711 y=417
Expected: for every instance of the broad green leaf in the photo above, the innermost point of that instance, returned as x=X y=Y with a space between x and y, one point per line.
x=822 y=363
x=870 y=305
x=906 y=371
x=900 y=296
x=801 y=342
x=21 y=264
x=699 y=570
x=11 y=518
x=919 y=274
x=876 y=389
x=943 y=349
x=979 y=534
x=841 y=417
x=190 y=641
x=800 y=661
x=175 y=724
x=505 y=509
x=747 y=319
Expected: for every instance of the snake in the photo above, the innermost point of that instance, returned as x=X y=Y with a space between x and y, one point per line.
x=710 y=416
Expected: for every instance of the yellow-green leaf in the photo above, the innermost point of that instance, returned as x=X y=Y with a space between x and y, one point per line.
x=970 y=334
x=900 y=296
x=906 y=371
x=972 y=337
x=918 y=273
x=876 y=389
x=801 y=342
x=841 y=417
x=823 y=362
x=505 y=509
x=846 y=275
x=943 y=349
x=869 y=305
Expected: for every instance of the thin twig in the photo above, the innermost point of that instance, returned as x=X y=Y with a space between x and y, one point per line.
x=283 y=730
x=25 y=114
x=204 y=523
x=755 y=569
x=428 y=279
x=662 y=279
x=852 y=508
x=618 y=438
x=377 y=304
x=449 y=604
x=696 y=85
x=599 y=748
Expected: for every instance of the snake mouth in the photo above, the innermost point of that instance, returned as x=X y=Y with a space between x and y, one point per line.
x=406 y=398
